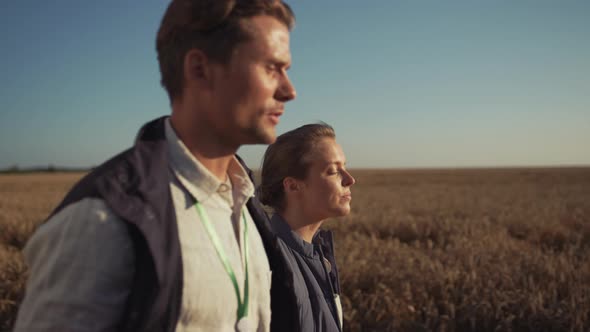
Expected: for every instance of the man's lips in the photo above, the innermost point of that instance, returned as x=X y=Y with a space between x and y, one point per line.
x=274 y=117
x=347 y=196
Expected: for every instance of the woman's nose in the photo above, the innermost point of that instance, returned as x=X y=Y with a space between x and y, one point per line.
x=348 y=179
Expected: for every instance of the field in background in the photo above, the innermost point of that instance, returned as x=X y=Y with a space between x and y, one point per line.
x=25 y=201
x=423 y=250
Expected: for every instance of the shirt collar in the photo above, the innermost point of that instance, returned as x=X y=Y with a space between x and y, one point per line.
x=196 y=178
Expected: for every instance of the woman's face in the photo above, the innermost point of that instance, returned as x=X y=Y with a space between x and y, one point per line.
x=326 y=189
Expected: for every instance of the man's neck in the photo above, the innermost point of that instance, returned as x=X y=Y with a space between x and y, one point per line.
x=218 y=166
x=205 y=147
x=301 y=224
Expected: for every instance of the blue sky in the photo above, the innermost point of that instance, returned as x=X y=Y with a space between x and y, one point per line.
x=412 y=83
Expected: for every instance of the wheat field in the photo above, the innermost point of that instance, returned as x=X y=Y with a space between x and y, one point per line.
x=422 y=250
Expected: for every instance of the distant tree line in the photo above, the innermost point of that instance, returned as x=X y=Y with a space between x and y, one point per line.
x=14 y=169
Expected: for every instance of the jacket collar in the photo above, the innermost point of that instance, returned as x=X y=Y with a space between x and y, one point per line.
x=322 y=238
x=291 y=238
x=137 y=188
x=198 y=180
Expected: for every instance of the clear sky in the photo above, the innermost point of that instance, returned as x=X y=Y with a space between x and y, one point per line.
x=411 y=83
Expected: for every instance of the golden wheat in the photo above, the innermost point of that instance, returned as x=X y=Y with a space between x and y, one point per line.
x=422 y=250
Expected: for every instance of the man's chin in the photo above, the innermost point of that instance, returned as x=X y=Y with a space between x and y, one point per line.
x=256 y=136
x=270 y=139
x=265 y=136
x=259 y=141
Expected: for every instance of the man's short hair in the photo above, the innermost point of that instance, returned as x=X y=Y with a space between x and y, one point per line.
x=212 y=26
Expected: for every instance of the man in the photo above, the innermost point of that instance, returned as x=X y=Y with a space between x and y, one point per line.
x=167 y=235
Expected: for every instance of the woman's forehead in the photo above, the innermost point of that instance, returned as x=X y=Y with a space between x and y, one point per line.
x=327 y=151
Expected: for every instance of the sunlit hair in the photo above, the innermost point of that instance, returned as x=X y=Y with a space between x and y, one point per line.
x=212 y=26
x=289 y=157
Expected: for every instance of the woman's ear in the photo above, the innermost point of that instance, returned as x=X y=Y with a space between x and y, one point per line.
x=291 y=185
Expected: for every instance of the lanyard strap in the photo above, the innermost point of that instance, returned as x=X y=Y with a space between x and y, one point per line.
x=242 y=305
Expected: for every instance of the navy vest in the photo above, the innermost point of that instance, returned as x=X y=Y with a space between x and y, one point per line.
x=135 y=185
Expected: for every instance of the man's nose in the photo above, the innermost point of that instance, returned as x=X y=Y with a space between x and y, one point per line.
x=286 y=90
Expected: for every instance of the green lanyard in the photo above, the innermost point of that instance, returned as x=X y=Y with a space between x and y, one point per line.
x=242 y=305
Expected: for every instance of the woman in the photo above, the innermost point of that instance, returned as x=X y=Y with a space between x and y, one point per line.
x=305 y=181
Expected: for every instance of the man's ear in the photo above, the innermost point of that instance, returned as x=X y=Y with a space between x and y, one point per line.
x=291 y=185
x=197 y=66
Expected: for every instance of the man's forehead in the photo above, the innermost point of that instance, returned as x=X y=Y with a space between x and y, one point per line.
x=267 y=29
x=266 y=46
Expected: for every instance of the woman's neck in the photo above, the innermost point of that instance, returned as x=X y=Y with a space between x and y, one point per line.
x=301 y=224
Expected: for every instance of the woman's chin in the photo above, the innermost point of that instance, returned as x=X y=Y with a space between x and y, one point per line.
x=340 y=210
x=343 y=211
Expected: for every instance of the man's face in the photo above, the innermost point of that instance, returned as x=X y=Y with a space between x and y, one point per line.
x=251 y=90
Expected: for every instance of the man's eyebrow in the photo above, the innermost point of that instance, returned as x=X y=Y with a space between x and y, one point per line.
x=279 y=60
x=282 y=63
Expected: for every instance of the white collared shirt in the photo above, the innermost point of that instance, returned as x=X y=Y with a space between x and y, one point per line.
x=209 y=301
x=82 y=261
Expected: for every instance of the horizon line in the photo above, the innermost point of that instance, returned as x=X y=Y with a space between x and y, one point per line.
x=68 y=169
